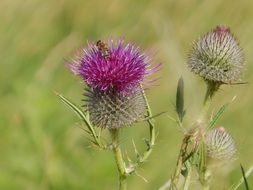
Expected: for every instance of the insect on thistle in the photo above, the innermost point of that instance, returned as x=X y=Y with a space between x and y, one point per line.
x=103 y=49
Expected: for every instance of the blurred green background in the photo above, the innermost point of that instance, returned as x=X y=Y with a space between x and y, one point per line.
x=41 y=143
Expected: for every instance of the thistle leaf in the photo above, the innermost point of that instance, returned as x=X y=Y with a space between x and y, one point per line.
x=82 y=116
x=180 y=99
x=72 y=106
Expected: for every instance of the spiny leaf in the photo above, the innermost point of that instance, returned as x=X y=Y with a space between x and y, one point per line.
x=82 y=116
x=71 y=105
x=135 y=150
x=154 y=116
x=244 y=178
x=180 y=99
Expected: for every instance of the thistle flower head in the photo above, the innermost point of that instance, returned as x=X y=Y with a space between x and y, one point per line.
x=111 y=66
x=216 y=56
x=220 y=145
x=114 y=73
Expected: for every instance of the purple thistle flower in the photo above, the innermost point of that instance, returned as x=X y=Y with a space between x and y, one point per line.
x=113 y=66
x=114 y=73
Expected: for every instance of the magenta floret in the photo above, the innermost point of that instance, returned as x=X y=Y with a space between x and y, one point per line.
x=121 y=69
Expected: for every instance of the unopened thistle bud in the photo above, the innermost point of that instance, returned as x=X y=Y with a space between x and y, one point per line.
x=217 y=56
x=114 y=73
x=220 y=145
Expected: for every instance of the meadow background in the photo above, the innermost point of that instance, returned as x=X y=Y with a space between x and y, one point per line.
x=41 y=144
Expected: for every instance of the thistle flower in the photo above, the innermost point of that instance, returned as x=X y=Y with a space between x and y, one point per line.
x=114 y=73
x=217 y=57
x=220 y=145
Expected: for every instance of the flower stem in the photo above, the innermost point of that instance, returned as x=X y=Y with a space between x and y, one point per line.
x=150 y=142
x=211 y=89
x=152 y=132
x=188 y=177
x=119 y=159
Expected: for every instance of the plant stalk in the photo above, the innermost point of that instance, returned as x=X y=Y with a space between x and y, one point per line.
x=188 y=177
x=119 y=159
x=150 y=142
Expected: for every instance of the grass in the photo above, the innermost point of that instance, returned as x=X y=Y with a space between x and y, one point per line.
x=42 y=146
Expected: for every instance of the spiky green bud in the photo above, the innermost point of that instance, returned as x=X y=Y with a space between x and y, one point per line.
x=110 y=109
x=220 y=144
x=217 y=56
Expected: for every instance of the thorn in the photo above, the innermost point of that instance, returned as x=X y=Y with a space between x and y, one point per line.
x=85 y=130
x=128 y=158
x=154 y=116
x=171 y=118
x=135 y=149
x=147 y=142
x=233 y=99
x=142 y=177
x=56 y=93
x=94 y=143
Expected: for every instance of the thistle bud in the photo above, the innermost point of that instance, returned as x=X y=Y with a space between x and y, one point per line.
x=110 y=109
x=114 y=74
x=220 y=145
x=217 y=57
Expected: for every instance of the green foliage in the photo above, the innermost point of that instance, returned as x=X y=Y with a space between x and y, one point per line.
x=40 y=145
x=91 y=131
x=180 y=99
x=244 y=178
x=217 y=116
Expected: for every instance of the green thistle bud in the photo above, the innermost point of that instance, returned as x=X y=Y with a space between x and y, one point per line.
x=217 y=57
x=109 y=109
x=220 y=145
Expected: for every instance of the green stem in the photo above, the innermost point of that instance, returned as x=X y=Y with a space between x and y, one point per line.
x=119 y=159
x=150 y=143
x=180 y=161
x=188 y=177
x=205 y=185
x=152 y=135
x=123 y=183
x=204 y=182
x=211 y=89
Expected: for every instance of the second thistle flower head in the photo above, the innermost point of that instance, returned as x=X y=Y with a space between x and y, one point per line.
x=113 y=72
x=217 y=56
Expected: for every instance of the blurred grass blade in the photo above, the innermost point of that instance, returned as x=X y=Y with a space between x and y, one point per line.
x=202 y=163
x=82 y=116
x=180 y=99
x=217 y=116
x=219 y=113
x=202 y=157
x=243 y=179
